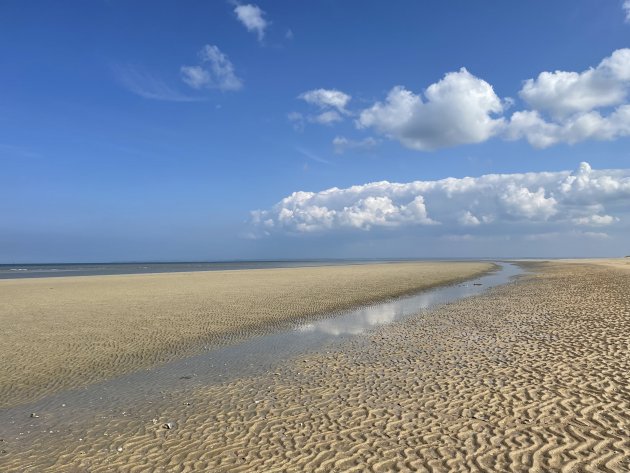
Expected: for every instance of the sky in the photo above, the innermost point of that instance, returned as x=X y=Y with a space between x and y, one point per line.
x=225 y=130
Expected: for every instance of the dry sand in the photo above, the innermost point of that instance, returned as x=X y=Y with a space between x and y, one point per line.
x=66 y=332
x=620 y=263
x=533 y=376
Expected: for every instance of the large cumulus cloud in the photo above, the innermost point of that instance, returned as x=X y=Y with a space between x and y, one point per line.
x=530 y=201
x=563 y=93
x=461 y=108
x=458 y=109
x=575 y=106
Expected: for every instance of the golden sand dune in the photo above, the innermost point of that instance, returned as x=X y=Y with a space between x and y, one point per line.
x=64 y=332
x=534 y=376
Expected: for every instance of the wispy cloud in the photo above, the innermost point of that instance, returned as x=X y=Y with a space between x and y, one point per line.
x=252 y=17
x=145 y=84
x=626 y=9
x=342 y=144
x=297 y=120
x=310 y=155
x=215 y=71
x=327 y=117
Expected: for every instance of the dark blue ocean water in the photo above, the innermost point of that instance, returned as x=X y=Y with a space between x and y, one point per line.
x=13 y=271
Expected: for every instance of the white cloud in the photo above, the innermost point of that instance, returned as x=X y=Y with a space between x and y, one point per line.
x=326 y=118
x=563 y=93
x=195 y=76
x=215 y=71
x=298 y=213
x=252 y=18
x=519 y=201
x=578 y=127
x=467 y=219
x=569 y=107
x=562 y=236
x=562 y=107
x=596 y=235
x=596 y=220
x=341 y=144
x=626 y=9
x=331 y=104
x=577 y=105
x=458 y=109
x=327 y=99
x=493 y=203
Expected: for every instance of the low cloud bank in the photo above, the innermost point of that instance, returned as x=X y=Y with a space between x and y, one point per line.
x=528 y=202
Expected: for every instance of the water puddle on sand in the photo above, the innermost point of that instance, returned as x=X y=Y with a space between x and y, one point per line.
x=110 y=398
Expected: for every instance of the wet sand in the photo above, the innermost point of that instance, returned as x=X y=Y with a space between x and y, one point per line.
x=533 y=376
x=59 y=333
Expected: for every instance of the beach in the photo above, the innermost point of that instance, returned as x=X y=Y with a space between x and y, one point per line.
x=66 y=332
x=315 y=237
x=530 y=376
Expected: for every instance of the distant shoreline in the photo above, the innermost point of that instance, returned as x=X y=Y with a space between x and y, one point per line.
x=33 y=270
x=115 y=324
x=41 y=270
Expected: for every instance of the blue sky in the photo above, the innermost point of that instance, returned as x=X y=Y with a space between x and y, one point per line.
x=153 y=130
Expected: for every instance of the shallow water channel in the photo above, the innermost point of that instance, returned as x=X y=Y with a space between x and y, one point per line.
x=106 y=399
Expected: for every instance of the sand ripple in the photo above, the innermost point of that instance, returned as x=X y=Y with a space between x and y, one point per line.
x=59 y=333
x=534 y=376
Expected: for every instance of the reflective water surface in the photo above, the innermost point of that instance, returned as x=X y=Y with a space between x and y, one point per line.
x=362 y=319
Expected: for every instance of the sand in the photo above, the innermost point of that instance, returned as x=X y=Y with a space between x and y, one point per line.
x=533 y=376
x=619 y=263
x=65 y=332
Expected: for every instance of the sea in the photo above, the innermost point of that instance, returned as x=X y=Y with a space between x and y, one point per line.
x=15 y=271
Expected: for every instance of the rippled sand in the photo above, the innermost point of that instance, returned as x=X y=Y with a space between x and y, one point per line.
x=534 y=376
x=65 y=332
x=619 y=263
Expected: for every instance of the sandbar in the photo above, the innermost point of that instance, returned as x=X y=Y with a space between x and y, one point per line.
x=64 y=332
